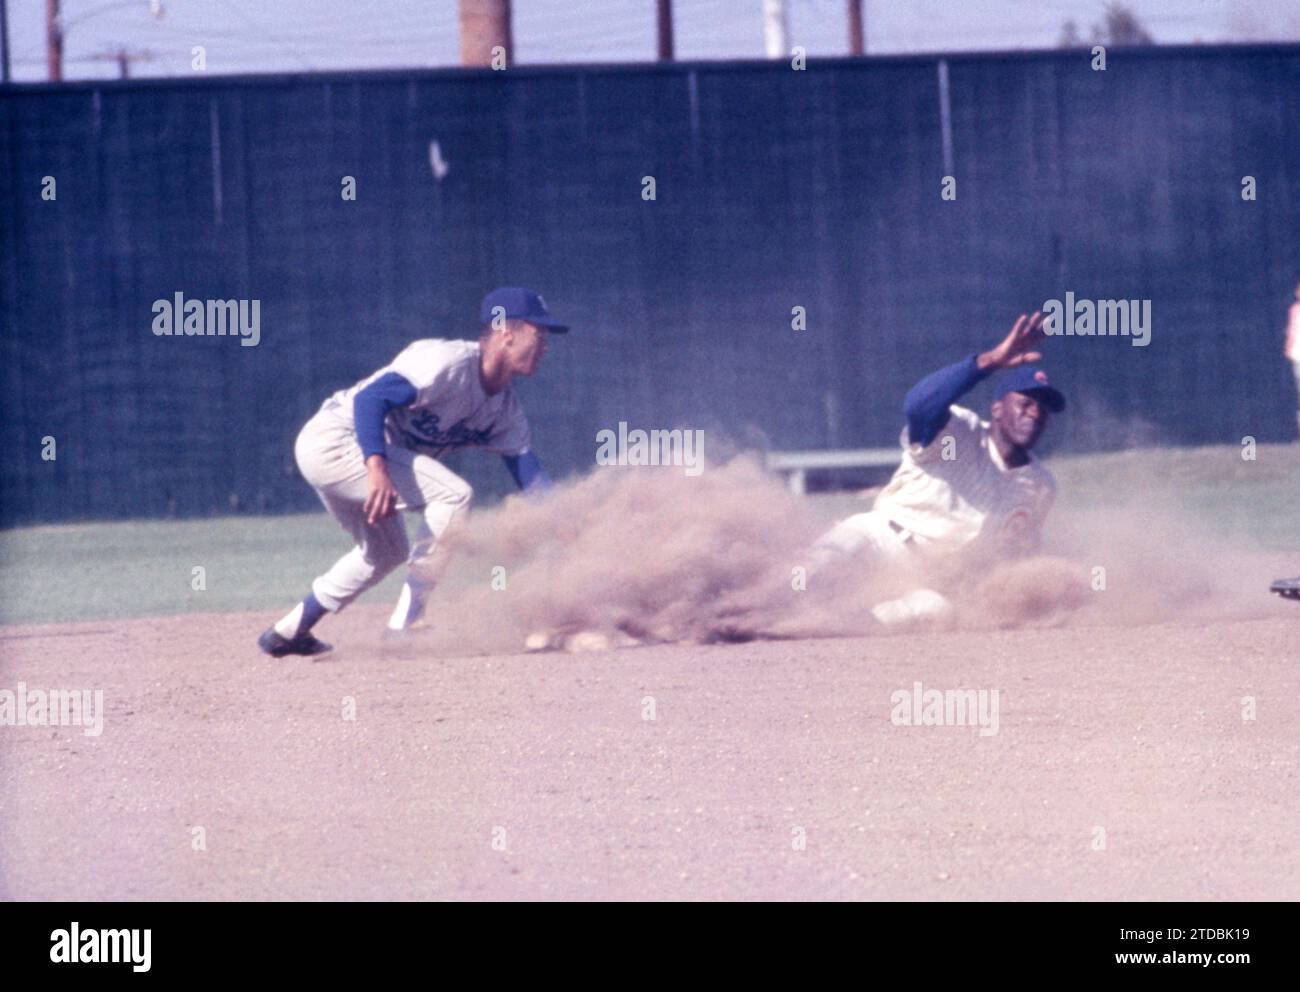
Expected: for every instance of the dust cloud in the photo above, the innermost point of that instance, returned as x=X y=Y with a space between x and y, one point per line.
x=649 y=555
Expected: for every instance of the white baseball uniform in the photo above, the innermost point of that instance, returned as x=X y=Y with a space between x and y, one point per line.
x=451 y=411
x=953 y=501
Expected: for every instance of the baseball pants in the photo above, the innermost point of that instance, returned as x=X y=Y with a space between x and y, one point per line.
x=330 y=459
x=874 y=538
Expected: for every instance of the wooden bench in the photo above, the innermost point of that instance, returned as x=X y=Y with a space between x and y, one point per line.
x=796 y=465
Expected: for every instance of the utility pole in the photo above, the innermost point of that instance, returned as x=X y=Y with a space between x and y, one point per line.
x=123 y=58
x=664 y=19
x=53 y=40
x=857 y=34
x=776 y=29
x=485 y=25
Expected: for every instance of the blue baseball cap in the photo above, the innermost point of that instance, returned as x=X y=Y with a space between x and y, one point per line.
x=1034 y=382
x=525 y=304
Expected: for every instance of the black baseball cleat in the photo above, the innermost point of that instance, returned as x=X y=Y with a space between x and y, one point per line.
x=304 y=644
x=1287 y=588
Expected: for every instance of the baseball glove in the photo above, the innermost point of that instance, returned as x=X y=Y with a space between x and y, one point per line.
x=1287 y=588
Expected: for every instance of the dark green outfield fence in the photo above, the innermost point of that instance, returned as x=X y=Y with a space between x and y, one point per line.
x=775 y=189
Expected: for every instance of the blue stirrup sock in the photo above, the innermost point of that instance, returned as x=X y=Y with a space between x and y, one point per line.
x=301 y=618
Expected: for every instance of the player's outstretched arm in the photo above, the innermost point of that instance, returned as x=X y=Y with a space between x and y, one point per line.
x=526 y=469
x=926 y=406
x=927 y=403
x=1018 y=347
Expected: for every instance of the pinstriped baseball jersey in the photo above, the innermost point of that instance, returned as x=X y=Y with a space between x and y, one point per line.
x=956 y=494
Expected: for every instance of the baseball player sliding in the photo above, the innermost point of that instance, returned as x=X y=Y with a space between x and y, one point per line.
x=373 y=449
x=967 y=490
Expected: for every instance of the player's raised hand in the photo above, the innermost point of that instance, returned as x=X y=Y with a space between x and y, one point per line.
x=382 y=498
x=1018 y=347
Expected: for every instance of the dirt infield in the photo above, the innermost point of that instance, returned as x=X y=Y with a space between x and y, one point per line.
x=769 y=770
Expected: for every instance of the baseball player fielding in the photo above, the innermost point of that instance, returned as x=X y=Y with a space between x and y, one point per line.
x=373 y=451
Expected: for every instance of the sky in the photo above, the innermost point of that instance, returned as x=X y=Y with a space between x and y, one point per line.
x=242 y=36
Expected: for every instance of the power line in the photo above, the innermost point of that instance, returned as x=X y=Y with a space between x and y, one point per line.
x=267 y=34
